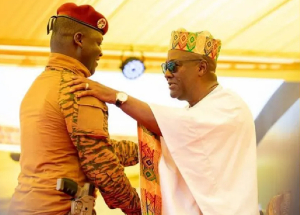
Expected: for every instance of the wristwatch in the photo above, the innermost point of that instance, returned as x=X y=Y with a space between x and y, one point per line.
x=121 y=98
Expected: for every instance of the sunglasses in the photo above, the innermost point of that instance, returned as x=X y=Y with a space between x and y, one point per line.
x=172 y=64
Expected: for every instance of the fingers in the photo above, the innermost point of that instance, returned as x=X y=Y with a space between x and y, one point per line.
x=76 y=77
x=75 y=82
x=85 y=93
x=77 y=87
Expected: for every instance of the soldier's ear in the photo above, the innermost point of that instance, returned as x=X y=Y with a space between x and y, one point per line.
x=78 y=38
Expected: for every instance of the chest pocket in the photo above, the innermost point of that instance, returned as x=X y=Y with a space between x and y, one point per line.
x=92 y=117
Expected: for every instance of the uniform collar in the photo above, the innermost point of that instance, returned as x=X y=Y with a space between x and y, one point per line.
x=61 y=61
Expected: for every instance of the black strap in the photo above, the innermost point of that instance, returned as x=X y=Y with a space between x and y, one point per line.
x=50 y=24
x=53 y=18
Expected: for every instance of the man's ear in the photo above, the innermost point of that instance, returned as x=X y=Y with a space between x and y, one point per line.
x=202 y=68
x=78 y=38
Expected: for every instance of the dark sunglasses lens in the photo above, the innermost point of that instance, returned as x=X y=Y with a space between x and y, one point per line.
x=171 y=66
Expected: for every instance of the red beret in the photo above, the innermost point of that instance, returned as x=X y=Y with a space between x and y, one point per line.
x=84 y=14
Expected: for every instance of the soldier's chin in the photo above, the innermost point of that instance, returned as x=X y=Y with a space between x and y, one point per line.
x=93 y=71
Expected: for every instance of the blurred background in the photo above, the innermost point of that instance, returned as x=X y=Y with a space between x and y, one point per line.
x=259 y=59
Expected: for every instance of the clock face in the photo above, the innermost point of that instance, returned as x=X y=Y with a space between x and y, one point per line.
x=133 y=69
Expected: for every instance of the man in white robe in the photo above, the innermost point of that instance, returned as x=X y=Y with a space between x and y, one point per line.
x=208 y=162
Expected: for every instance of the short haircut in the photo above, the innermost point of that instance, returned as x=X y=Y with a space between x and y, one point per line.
x=65 y=28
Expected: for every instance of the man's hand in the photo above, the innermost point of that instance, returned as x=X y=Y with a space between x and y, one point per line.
x=138 y=110
x=88 y=87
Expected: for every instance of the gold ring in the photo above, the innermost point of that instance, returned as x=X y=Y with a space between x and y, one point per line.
x=86 y=86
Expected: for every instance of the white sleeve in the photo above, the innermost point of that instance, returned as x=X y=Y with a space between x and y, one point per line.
x=175 y=125
x=179 y=126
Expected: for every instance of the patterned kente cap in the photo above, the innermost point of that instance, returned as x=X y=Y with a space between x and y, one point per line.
x=197 y=42
x=83 y=14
